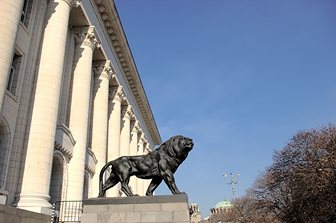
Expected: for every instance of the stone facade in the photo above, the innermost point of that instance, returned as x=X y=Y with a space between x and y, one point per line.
x=195 y=214
x=71 y=99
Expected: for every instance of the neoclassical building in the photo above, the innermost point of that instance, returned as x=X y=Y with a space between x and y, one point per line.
x=71 y=99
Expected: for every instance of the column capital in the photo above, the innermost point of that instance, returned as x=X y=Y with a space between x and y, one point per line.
x=116 y=94
x=136 y=127
x=127 y=112
x=73 y=3
x=142 y=139
x=87 y=36
x=103 y=69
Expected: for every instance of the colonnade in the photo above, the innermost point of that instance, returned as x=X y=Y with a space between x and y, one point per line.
x=115 y=130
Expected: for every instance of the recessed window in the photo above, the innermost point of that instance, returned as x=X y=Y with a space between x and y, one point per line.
x=14 y=74
x=25 y=14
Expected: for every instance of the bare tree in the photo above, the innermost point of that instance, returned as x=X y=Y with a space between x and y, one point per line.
x=300 y=185
x=248 y=210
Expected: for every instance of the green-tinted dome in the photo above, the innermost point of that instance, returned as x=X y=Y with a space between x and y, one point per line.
x=223 y=204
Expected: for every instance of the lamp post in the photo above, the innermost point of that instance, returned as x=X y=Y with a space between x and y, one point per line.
x=232 y=181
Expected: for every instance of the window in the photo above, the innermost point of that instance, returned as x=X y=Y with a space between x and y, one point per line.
x=27 y=5
x=14 y=74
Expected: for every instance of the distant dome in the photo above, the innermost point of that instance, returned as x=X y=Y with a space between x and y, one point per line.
x=223 y=204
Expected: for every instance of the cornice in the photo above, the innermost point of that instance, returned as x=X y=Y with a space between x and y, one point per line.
x=113 y=26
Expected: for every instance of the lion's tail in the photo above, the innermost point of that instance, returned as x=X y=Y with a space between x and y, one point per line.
x=101 y=178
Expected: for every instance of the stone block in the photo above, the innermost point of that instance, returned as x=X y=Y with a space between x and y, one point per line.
x=156 y=209
x=148 y=207
x=117 y=217
x=103 y=218
x=181 y=216
x=164 y=216
x=89 y=218
x=174 y=206
x=148 y=216
x=96 y=208
x=133 y=217
x=121 y=208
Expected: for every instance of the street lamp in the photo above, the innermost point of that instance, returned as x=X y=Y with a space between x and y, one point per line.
x=232 y=181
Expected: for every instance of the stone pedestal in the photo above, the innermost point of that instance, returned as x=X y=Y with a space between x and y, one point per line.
x=139 y=209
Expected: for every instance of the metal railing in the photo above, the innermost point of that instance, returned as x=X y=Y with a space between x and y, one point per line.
x=66 y=211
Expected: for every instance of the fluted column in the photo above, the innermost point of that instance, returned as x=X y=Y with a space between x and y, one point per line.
x=140 y=182
x=86 y=41
x=125 y=134
x=133 y=151
x=103 y=73
x=10 y=11
x=36 y=177
x=114 y=126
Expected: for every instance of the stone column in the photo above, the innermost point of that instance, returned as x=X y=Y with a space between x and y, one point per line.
x=125 y=134
x=145 y=150
x=114 y=126
x=133 y=152
x=103 y=73
x=10 y=11
x=86 y=41
x=140 y=183
x=37 y=172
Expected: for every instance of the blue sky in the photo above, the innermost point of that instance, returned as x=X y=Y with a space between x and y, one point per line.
x=240 y=77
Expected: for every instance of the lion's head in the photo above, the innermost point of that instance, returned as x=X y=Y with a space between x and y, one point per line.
x=177 y=145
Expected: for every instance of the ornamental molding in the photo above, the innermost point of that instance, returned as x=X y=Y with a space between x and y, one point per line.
x=113 y=28
x=103 y=69
x=136 y=127
x=87 y=36
x=127 y=112
x=64 y=141
x=147 y=150
x=91 y=161
x=72 y=3
x=142 y=140
x=117 y=94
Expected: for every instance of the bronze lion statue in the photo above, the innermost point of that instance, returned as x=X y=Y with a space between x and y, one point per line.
x=157 y=165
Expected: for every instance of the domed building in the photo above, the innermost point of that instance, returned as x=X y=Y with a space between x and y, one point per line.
x=222 y=206
x=222 y=212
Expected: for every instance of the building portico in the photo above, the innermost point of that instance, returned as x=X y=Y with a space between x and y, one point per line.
x=84 y=105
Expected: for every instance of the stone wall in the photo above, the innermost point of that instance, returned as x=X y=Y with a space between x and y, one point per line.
x=10 y=214
x=156 y=209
